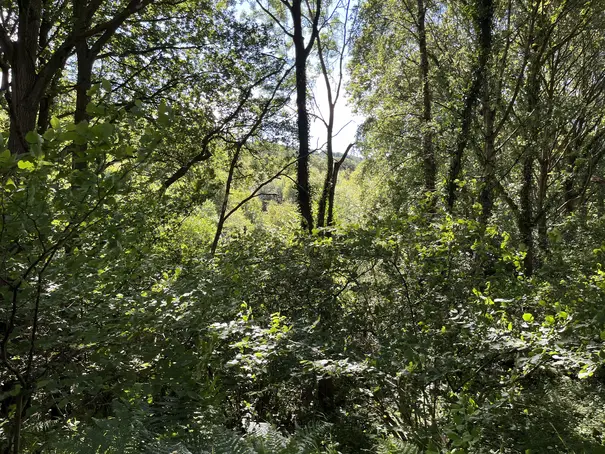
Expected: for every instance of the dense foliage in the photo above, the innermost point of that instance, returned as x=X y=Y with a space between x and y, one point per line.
x=184 y=270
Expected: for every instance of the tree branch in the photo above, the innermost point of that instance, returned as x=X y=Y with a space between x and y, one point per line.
x=275 y=19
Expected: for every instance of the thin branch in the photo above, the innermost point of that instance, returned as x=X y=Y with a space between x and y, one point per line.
x=262 y=185
x=205 y=153
x=275 y=19
x=315 y=28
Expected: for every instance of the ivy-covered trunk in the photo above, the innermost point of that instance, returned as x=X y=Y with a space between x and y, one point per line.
x=302 y=174
x=428 y=152
x=483 y=13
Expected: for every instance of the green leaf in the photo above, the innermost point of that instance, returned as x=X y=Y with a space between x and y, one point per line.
x=106 y=85
x=49 y=134
x=32 y=137
x=5 y=156
x=93 y=90
x=91 y=108
x=10 y=185
x=26 y=165
x=82 y=127
x=55 y=123
x=106 y=130
x=529 y=318
x=586 y=372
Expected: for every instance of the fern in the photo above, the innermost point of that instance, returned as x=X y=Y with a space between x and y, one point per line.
x=131 y=433
x=266 y=439
x=225 y=442
x=262 y=438
x=307 y=440
x=392 y=445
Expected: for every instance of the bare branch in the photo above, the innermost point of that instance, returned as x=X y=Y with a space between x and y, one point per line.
x=275 y=19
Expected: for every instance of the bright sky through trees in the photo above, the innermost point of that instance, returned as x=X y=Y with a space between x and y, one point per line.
x=346 y=121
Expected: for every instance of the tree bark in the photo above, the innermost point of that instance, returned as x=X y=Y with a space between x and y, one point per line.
x=486 y=197
x=332 y=192
x=29 y=78
x=484 y=14
x=24 y=101
x=328 y=182
x=222 y=215
x=301 y=55
x=526 y=215
x=86 y=61
x=526 y=224
x=302 y=173
x=428 y=152
x=526 y=221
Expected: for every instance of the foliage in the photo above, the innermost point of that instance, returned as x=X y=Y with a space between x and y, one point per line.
x=158 y=293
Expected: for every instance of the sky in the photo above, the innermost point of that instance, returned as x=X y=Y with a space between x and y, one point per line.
x=345 y=120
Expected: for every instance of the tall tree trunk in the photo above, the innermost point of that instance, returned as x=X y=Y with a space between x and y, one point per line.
x=329 y=180
x=24 y=101
x=544 y=162
x=301 y=55
x=84 y=82
x=222 y=215
x=302 y=174
x=18 y=422
x=332 y=192
x=486 y=197
x=428 y=152
x=569 y=185
x=569 y=192
x=86 y=61
x=545 y=159
x=47 y=100
x=525 y=220
x=328 y=185
x=483 y=18
x=46 y=105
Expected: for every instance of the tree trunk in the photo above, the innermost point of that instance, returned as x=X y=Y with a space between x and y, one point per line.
x=526 y=215
x=86 y=61
x=484 y=15
x=24 y=102
x=332 y=192
x=569 y=192
x=541 y=207
x=47 y=100
x=428 y=153
x=302 y=174
x=486 y=197
x=18 y=422
x=328 y=182
x=222 y=215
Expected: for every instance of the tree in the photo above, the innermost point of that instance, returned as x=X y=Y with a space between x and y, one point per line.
x=301 y=14
x=333 y=74
x=26 y=64
x=430 y=164
x=483 y=11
